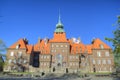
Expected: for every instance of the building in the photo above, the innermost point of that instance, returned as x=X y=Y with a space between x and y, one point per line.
x=59 y=55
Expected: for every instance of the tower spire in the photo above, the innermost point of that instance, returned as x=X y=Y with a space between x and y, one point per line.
x=59 y=20
x=59 y=25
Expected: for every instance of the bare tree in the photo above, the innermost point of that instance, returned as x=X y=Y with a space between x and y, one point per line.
x=19 y=63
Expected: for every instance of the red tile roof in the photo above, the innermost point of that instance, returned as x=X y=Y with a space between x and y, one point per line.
x=97 y=42
x=20 y=42
x=22 y=45
x=59 y=37
x=75 y=48
x=29 y=49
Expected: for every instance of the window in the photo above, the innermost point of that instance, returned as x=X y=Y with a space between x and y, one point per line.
x=17 y=46
x=10 y=61
x=56 y=45
x=73 y=57
x=109 y=61
x=15 y=61
x=107 y=53
x=48 y=64
x=55 y=50
x=65 y=45
x=41 y=63
x=99 y=61
x=104 y=61
x=73 y=64
x=99 y=54
x=44 y=64
x=12 y=53
x=48 y=57
x=52 y=45
x=45 y=57
x=20 y=54
x=93 y=61
x=41 y=56
x=61 y=45
x=101 y=46
x=76 y=64
x=52 y=50
x=76 y=57
x=24 y=61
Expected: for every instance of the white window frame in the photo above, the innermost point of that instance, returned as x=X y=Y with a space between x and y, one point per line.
x=106 y=53
x=44 y=56
x=109 y=61
x=20 y=53
x=99 y=53
x=57 y=46
x=47 y=57
x=61 y=45
x=12 y=53
x=99 y=61
x=10 y=60
x=104 y=61
x=65 y=45
x=93 y=61
x=76 y=57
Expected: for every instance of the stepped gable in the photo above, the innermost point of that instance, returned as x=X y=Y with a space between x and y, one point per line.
x=76 y=47
x=97 y=43
x=42 y=46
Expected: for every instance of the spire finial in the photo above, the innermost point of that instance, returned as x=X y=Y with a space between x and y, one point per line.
x=59 y=21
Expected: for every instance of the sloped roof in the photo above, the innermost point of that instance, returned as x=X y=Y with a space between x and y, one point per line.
x=21 y=43
x=97 y=42
x=42 y=46
x=59 y=37
x=29 y=49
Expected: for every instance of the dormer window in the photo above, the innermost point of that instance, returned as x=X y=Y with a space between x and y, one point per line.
x=17 y=46
x=101 y=46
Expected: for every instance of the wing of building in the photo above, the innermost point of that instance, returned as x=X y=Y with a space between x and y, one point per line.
x=59 y=55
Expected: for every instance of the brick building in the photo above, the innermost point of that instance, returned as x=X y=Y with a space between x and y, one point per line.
x=59 y=54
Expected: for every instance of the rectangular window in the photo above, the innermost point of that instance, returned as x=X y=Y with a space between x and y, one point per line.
x=99 y=54
x=57 y=46
x=93 y=61
x=52 y=45
x=20 y=54
x=12 y=53
x=109 y=61
x=107 y=53
x=61 y=45
x=99 y=61
x=104 y=61
x=76 y=57
x=44 y=57
x=65 y=45
x=10 y=61
x=48 y=57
